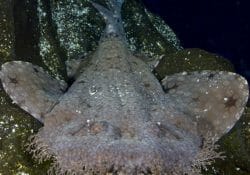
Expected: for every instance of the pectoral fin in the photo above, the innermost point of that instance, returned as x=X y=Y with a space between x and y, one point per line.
x=215 y=100
x=31 y=88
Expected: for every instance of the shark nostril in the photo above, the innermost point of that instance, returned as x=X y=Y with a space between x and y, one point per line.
x=89 y=128
x=116 y=132
x=104 y=128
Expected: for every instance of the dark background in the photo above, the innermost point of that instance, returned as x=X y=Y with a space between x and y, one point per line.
x=218 y=26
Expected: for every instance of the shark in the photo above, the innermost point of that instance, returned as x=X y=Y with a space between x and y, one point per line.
x=116 y=117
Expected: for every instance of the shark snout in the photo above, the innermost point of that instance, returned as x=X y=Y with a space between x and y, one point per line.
x=101 y=147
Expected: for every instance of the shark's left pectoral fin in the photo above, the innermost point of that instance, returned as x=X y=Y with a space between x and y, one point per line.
x=215 y=100
x=31 y=88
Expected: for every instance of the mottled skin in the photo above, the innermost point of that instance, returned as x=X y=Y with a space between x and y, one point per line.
x=116 y=117
x=116 y=114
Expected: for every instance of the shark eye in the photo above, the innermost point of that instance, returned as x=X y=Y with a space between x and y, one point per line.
x=163 y=130
x=98 y=127
x=95 y=128
x=104 y=128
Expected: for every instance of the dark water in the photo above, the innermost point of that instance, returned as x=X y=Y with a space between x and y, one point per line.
x=221 y=27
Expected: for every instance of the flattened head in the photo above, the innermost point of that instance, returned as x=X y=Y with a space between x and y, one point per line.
x=100 y=147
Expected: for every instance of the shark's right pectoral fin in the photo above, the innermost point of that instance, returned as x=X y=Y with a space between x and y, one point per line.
x=31 y=88
x=215 y=100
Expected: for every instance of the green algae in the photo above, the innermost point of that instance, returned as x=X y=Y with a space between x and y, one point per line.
x=7 y=31
x=189 y=60
x=53 y=55
x=236 y=146
x=142 y=36
x=86 y=25
x=26 y=28
x=15 y=128
x=164 y=30
x=78 y=26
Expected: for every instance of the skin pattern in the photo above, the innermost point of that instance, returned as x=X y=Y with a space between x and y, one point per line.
x=117 y=118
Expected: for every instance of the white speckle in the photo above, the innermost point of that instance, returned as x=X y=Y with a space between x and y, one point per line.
x=92 y=90
x=25 y=108
x=35 y=115
x=159 y=44
x=245 y=82
x=156 y=64
x=161 y=56
x=184 y=73
x=206 y=92
x=4 y=86
x=158 y=123
x=189 y=52
x=79 y=112
x=197 y=116
x=110 y=29
x=198 y=80
x=237 y=169
x=225 y=99
x=205 y=110
x=88 y=123
x=204 y=72
x=14 y=102
x=237 y=116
